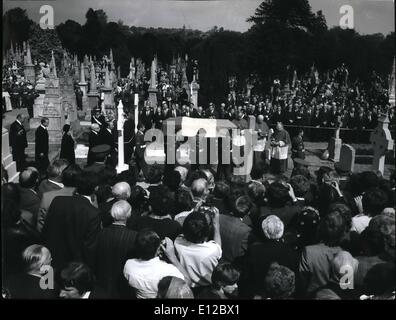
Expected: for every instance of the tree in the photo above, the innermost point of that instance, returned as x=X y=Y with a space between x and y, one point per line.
x=42 y=42
x=16 y=26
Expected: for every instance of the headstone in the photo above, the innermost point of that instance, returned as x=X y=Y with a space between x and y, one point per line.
x=53 y=109
x=69 y=103
x=108 y=96
x=38 y=105
x=334 y=147
x=93 y=94
x=29 y=71
x=381 y=141
x=121 y=166
x=347 y=159
x=6 y=157
x=153 y=84
x=84 y=88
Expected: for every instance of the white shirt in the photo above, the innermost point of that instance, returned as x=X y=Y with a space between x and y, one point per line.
x=199 y=259
x=45 y=128
x=145 y=275
x=18 y=121
x=182 y=216
x=360 y=222
x=86 y=295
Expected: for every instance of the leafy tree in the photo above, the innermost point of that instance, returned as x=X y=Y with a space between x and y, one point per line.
x=16 y=26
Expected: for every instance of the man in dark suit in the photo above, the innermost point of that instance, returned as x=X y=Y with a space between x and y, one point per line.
x=54 y=174
x=260 y=255
x=93 y=141
x=129 y=135
x=140 y=147
x=18 y=141
x=115 y=246
x=106 y=135
x=28 y=285
x=72 y=225
x=69 y=180
x=42 y=146
x=147 y=117
x=98 y=118
x=234 y=233
x=29 y=199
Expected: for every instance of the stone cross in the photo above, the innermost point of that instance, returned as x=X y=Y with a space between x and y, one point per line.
x=381 y=141
x=120 y=129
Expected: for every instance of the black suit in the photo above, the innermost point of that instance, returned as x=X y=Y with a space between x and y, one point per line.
x=18 y=142
x=107 y=137
x=71 y=229
x=115 y=245
x=129 y=133
x=93 y=141
x=41 y=149
x=259 y=257
x=26 y=286
x=100 y=121
x=147 y=118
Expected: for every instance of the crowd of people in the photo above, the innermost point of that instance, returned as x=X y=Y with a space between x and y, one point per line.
x=179 y=232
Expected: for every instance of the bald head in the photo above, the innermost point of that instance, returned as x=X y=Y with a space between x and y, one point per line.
x=199 y=188
x=121 y=191
x=29 y=178
x=260 y=118
x=95 y=127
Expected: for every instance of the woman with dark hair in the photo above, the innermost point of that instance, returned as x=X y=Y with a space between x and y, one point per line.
x=67 y=145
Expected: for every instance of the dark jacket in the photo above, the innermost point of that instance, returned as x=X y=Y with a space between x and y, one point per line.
x=30 y=201
x=18 y=136
x=71 y=229
x=67 y=149
x=259 y=257
x=234 y=234
x=115 y=245
x=41 y=142
x=26 y=286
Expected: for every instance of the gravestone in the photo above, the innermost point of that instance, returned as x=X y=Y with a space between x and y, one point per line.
x=108 y=96
x=93 y=94
x=347 y=159
x=30 y=73
x=153 y=84
x=381 y=141
x=69 y=103
x=334 y=147
x=38 y=105
x=53 y=110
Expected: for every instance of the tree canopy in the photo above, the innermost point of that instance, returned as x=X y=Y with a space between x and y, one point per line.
x=285 y=35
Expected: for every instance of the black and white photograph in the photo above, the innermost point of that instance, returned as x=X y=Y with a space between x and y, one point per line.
x=197 y=153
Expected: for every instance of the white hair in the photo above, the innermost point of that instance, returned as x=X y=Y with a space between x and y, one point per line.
x=121 y=210
x=121 y=190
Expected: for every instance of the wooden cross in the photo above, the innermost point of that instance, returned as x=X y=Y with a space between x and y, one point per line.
x=381 y=141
